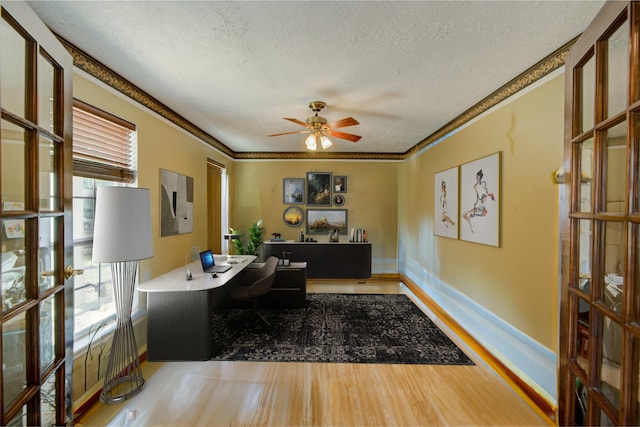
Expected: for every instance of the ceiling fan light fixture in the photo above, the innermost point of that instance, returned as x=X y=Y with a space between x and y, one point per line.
x=311 y=142
x=325 y=142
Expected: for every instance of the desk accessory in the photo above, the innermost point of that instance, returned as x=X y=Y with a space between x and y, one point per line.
x=122 y=237
x=189 y=276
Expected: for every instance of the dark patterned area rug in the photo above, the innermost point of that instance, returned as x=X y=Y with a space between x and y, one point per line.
x=345 y=328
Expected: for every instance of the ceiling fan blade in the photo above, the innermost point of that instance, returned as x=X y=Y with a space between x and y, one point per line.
x=289 y=133
x=342 y=135
x=296 y=121
x=349 y=121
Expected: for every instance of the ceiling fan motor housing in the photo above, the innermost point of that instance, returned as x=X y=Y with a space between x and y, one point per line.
x=316 y=121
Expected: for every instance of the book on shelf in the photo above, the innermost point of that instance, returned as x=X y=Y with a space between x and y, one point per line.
x=358 y=235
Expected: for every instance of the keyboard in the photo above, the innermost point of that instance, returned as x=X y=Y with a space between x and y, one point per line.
x=219 y=268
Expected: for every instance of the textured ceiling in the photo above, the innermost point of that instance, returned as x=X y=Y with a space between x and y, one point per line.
x=235 y=69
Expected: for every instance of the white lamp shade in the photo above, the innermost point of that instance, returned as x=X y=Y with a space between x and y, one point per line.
x=122 y=226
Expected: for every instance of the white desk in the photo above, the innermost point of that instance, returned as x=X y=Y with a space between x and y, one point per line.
x=176 y=280
x=179 y=310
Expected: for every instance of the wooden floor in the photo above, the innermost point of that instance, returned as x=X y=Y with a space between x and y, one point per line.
x=320 y=394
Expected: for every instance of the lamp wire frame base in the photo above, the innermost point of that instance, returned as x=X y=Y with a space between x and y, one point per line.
x=123 y=377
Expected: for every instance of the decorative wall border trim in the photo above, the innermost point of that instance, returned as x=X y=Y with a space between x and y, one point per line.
x=548 y=65
x=103 y=73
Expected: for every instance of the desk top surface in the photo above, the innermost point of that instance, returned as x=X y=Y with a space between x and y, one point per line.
x=176 y=280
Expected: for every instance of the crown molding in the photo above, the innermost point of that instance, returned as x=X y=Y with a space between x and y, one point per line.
x=548 y=65
x=95 y=68
x=320 y=155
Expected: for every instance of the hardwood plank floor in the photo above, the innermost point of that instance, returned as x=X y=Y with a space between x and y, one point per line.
x=320 y=394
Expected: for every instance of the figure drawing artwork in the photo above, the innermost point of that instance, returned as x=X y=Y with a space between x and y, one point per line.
x=480 y=200
x=446 y=203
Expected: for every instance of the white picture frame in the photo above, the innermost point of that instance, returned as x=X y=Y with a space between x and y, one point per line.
x=445 y=203
x=480 y=200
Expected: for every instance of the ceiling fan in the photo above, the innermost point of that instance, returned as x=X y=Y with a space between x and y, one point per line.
x=319 y=129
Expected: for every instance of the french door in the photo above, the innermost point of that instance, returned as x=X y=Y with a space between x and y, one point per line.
x=599 y=378
x=36 y=299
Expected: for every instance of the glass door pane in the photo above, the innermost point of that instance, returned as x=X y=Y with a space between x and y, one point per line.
x=49 y=199
x=13 y=158
x=587 y=95
x=617 y=70
x=586 y=175
x=46 y=94
x=47 y=238
x=613 y=264
x=14 y=357
x=13 y=270
x=13 y=70
x=610 y=366
x=615 y=178
x=47 y=333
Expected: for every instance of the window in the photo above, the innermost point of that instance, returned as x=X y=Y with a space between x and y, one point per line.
x=104 y=154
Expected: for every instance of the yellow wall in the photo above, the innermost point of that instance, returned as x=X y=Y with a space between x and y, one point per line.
x=394 y=201
x=370 y=200
x=161 y=146
x=517 y=282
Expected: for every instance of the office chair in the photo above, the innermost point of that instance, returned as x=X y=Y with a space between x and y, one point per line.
x=254 y=283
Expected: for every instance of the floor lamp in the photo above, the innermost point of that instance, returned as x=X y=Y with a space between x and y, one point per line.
x=122 y=236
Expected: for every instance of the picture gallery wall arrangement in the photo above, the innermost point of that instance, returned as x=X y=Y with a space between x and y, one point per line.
x=322 y=193
x=467 y=201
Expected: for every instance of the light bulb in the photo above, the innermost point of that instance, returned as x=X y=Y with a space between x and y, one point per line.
x=326 y=142
x=311 y=142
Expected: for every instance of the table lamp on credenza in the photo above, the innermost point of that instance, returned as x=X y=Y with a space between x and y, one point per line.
x=122 y=237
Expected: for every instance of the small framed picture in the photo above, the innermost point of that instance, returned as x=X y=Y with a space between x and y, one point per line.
x=293 y=191
x=293 y=216
x=339 y=184
x=338 y=200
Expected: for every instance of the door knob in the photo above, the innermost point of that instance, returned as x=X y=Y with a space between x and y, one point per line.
x=70 y=272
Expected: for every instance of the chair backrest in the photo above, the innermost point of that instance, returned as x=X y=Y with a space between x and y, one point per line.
x=267 y=276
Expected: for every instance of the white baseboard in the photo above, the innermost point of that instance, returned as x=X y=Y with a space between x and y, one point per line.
x=534 y=363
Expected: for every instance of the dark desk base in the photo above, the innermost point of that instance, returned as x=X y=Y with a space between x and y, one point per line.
x=179 y=323
x=289 y=288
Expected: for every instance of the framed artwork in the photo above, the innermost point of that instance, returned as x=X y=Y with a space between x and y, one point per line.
x=323 y=221
x=176 y=203
x=445 y=204
x=293 y=216
x=339 y=184
x=293 y=191
x=480 y=200
x=338 y=200
x=319 y=188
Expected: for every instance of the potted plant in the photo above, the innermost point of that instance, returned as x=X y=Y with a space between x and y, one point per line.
x=253 y=242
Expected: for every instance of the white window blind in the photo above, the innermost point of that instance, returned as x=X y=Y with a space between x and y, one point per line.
x=103 y=145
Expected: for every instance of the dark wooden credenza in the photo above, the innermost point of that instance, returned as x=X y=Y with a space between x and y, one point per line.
x=326 y=260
